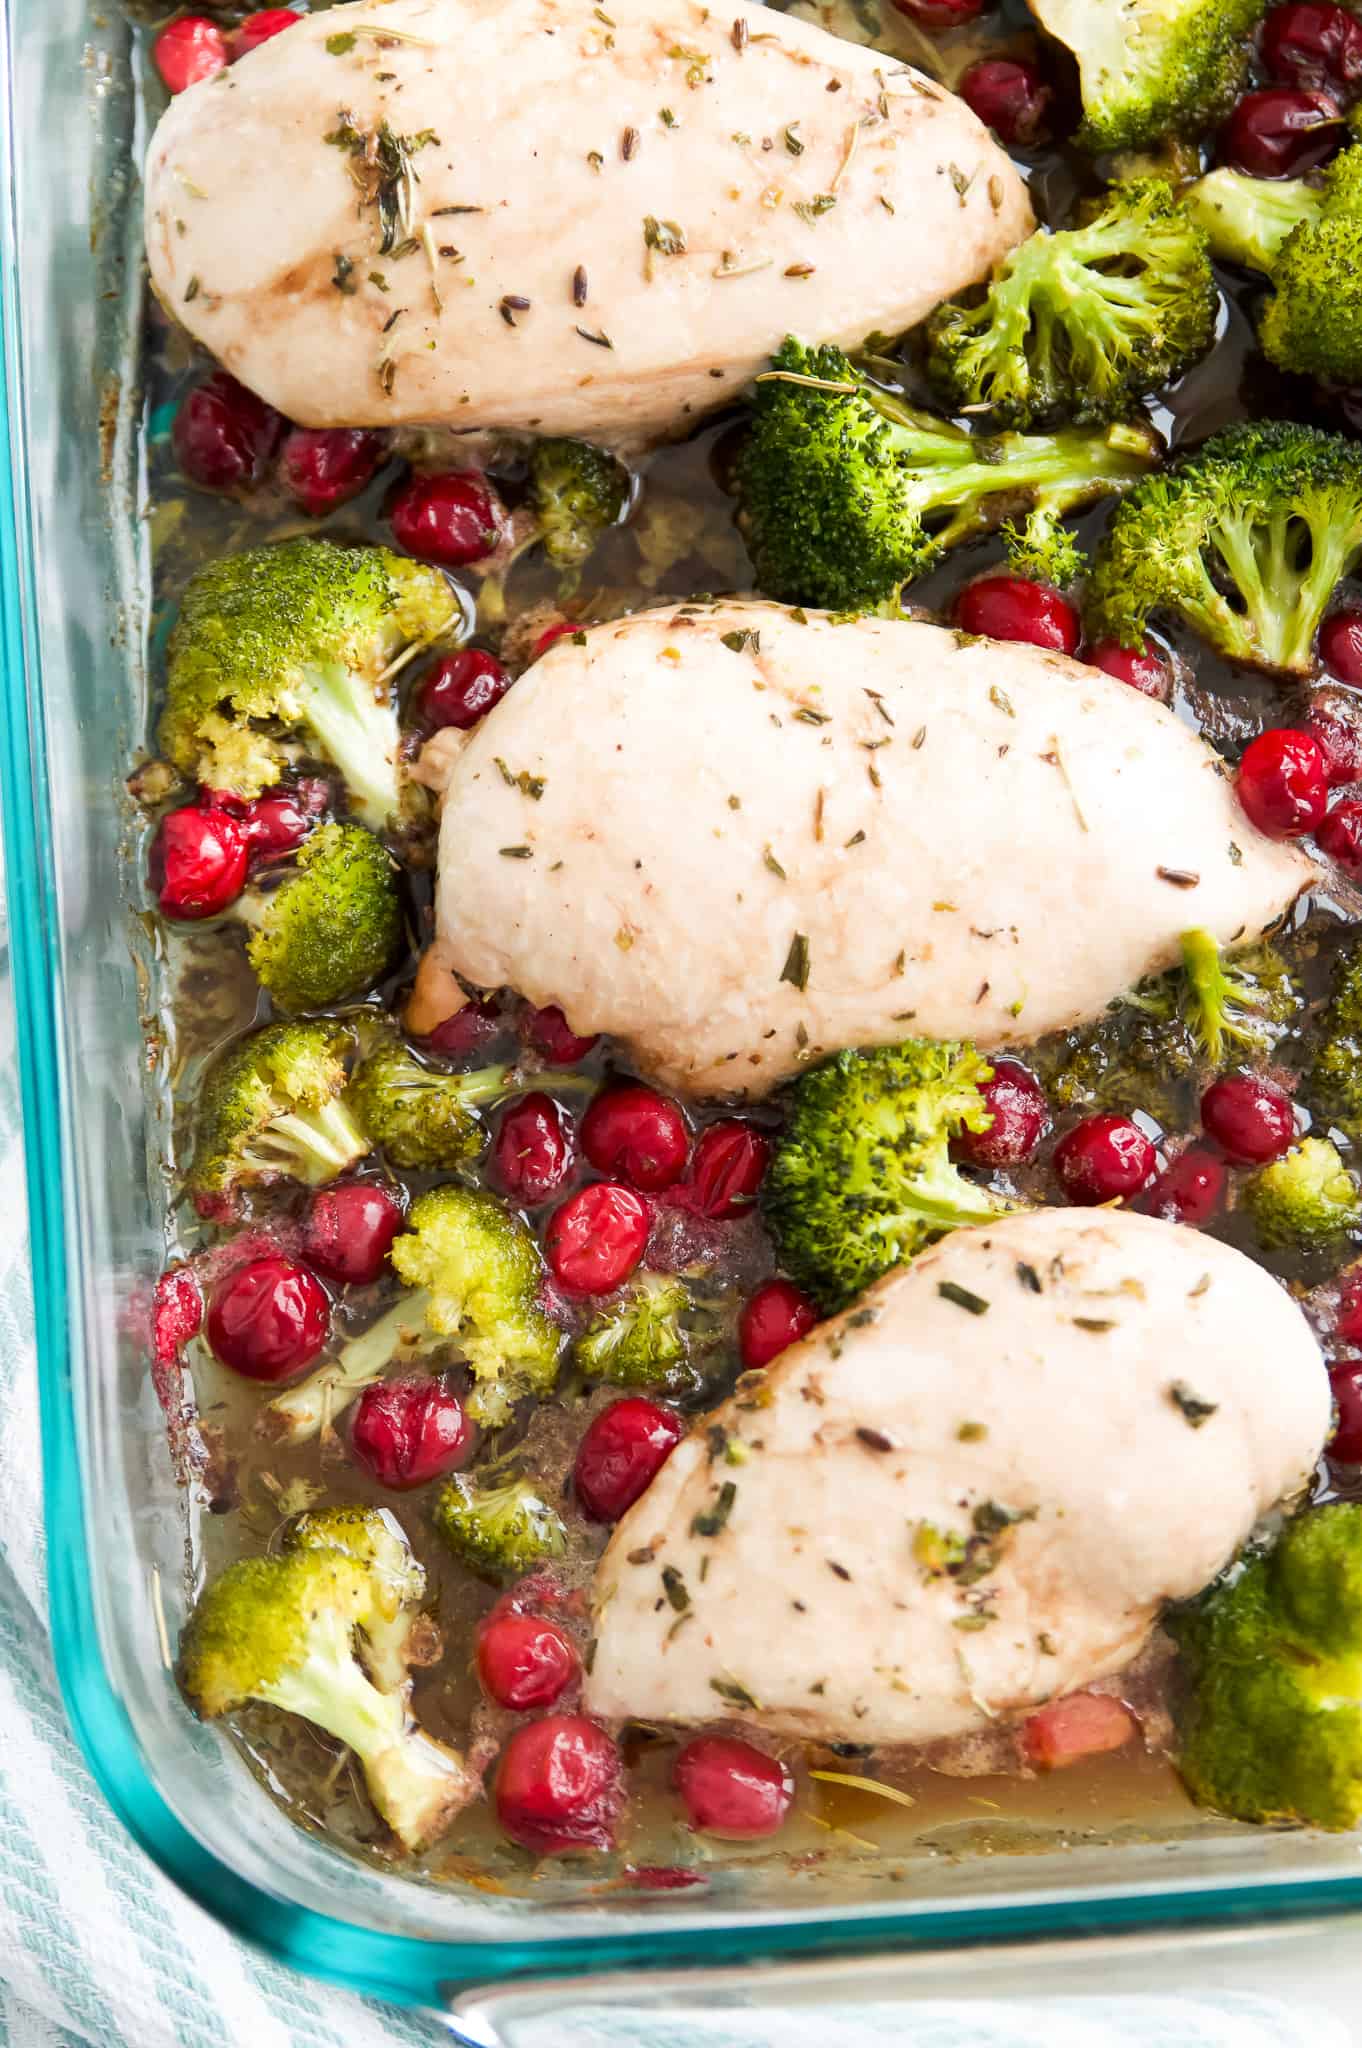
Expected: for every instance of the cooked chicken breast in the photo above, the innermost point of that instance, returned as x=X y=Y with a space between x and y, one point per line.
x=519 y=214
x=968 y=1495
x=757 y=840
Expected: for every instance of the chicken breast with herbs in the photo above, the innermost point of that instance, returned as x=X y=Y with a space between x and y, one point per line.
x=735 y=841
x=520 y=214
x=971 y=1493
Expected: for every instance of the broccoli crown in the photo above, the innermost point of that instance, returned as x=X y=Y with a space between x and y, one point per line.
x=481 y=1269
x=375 y=1539
x=498 y=1529
x=577 y=491
x=420 y=1116
x=1334 y=1082
x=302 y=635
x=1081 y=323
x=1245 y=540
x=862 y=1176
x=1247 y=1002
x=845 y=493
x=1304 y=1200
x=331 y=928
x=270 y=1109
x=638 y=1340
x=1153 y=68
x=1271 y=1722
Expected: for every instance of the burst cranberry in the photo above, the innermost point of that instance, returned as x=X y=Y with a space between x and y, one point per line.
x=268 y=1319
x=322 y=467
x=777 y=1316
x=1250 y=1119
x=1281 y=132
x=524 y=1661
x=276 y=825
x=224 y=436
x=198 y=862
x=1140 y=667
x=409 y=1431
x=560 y=1786
x=1345 y=1384
x=452 y=519
x=1340 y=644
x=262 y=27
x=1284 y=783
x=1021 y=1118
x=551 y=635
x=1313 y=44
x=1011 y=608
x=1348 y=1321
x=635 y=1133
x=624 y=1448
x=532 y=1150
x=596 y=1238
x=1340 y=741
x=176 y=1312
x=1190 y=1191
x=470 y=1030
x=462 y=688
x=727 y=1168
x=551 y=1035
x=1104 y=1159
x=188 y=50
x=731 y=1789
x=1009 y=96
x=1340 y=836
x=349 y=1229
x=940 y=13
x=1083 y=1725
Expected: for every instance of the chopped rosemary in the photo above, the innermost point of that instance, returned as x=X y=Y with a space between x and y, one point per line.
x=796 y=968
x=674 y=1586
x=711 y=1520
x=949 y=1290
x=1194 y=1409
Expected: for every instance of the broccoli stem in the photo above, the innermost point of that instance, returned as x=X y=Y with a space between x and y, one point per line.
x=1057 y=472
x=300 y=1413
x=1285 y=602
x=355 y=725
x=1246 y=220
x=312 y=1146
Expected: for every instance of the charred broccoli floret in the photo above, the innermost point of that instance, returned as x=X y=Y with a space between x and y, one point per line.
x=423 y=1117
x=376 y=1539
x=577 y=492
x=862 y=1177
x=1149 y=69
x=500 y=1528
x=846 y=493
x=293 y=644
x=1079 y=324
x=1245 y=540
x=639 y=1339
x=331 y=927
x=1305 y=1200
x=1334 y=1083
x=271 y=1109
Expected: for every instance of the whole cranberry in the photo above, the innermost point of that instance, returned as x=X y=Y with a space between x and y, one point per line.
x=451 y=519
x=559 y=1786
x=624 y=1447
x=1021 y=1118
x=1314 y=44
x=1282 y=132
x=268 y=1319
x=596 y=1237
x=262 y=27
x=1340 y=836
x=408 y=1431
x=1009 y=96
x=1340 y=645
x=1250 y=1119
x=197 y=865
x=349 y=1229
x=1190 y=1191
x=461 y=688
x=732 y=1789
x=727 y=1167
x=532 y=1150
x=775 y=1317
x=1106 y=1158
x=524 y=1661
x=551 y=635
x=1011 y=608
x=1348 y=1320
x=224 y=436
x=549 y=1032
x=1340 y=741
x=1140 y=667
x=1345 y=1384
x=470 y=1030
x=941 y=13
x=322 y=467
x=276 y=825
x=636 y=1134
x=189 y=50
x=1284 y=783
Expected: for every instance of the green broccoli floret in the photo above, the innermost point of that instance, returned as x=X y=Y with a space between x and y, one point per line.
x=639 y=1339
x=1081 y=323
x=862 y=1177
x=1245 y=540
x=1271 y=1722
x=271 y=1109
x=499 y=1529
x=400 y=1337
x=1153 y=68
x=281 y=1630
x=1333 y=1085
x=1304 y=1201
x=329 y=930
x=577 y=492
x=302 y=635
x=419 y=1115
x=1248 y=1001
x=396 y=1629
x=845 y=493
x=1306 y=237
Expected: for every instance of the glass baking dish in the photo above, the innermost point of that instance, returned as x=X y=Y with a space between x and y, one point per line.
x=74 y=610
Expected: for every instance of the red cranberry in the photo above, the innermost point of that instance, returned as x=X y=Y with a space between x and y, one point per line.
x=198 y=862
x=551 y=1035
x=1104 y=1159
x=276 y=825
x=1011 y=608
x=560 y=1786
x=1250 y=1119
x=1284 y=783
x=777 y=1316
x=224 y=436
x=1340 y=836
x=532 y=1150
x=596 y=1237
x=635 y=1133
x=349 y=1229
x=622 y=1451
x=1021 y=1118
x=1190 y=1191
x=1140 y=667
x=188 y=50
x=1340 y=645
x=1340 y=741
x=322 y=467
x=1281 y=132
x=523 y=1661
x=726 y=1170
x=940 y=13
x=551 y=635
x=731 y=1789
x=268 y=1319
x=470 y=1030
x=1069 y=1730
x=452 y=519
x=262 y=27
x=461 y=688
x=1313 y=44
x=1009 y=96
x=1345 y=1384
x=1348 y=1321
x=410 y=1430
